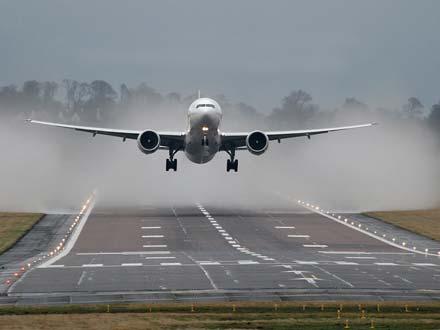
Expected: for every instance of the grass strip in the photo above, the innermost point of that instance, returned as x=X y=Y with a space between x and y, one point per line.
x=14 y=226
x=423 y=222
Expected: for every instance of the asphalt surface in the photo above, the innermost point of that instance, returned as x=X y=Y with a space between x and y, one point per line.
x=209 y=253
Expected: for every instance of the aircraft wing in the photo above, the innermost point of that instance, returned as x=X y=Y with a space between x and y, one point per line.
x=238 y=140
x=167 y=139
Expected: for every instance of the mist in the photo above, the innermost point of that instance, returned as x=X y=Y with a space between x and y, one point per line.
x=394 y=165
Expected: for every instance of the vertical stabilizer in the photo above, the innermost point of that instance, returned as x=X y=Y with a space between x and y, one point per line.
x=198 y=94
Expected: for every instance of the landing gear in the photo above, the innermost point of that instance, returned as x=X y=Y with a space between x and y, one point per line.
x=171 y=163
x=232 y=164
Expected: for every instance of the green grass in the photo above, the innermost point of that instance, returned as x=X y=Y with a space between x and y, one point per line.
x=254 y=315
x=14 y=225
x=423 y=222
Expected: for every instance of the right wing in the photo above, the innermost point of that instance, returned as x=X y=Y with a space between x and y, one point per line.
x=238 y=140
x=167 y=139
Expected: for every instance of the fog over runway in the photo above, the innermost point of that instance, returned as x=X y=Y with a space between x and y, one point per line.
x=200 y=252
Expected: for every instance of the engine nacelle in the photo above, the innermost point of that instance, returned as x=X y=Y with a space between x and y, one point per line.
x=148 y=141
x=257 y=142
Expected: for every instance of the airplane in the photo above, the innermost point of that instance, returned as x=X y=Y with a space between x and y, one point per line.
x=203 y=138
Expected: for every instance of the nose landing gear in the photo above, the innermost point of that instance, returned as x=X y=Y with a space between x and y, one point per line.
x=232 y=164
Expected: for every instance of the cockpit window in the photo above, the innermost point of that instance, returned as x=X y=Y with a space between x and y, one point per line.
x=205 y=105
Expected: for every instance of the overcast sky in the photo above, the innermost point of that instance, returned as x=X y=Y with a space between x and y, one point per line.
x=380 y=52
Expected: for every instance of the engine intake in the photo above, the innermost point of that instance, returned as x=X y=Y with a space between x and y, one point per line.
x=257 y=142
x=148 y=141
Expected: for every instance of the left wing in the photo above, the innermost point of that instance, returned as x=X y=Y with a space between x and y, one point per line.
x=238 y=140
x=167 y=139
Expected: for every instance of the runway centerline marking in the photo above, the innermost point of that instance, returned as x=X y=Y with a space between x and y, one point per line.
x=121 y=253
x=385 y=264
x=92 y=265
x=170 y=264
x=298 y=236
x=154 y=258
x=360 y=257
x=306 y=262
x=132 y=264
x=314 y=245
x=345 y=263
x=284 y=227
x=155 y=246
x=152 y=236
x=152 y=227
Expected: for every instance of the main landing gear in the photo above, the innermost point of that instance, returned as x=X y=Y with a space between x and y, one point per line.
x=171 y=163
x=232 y=164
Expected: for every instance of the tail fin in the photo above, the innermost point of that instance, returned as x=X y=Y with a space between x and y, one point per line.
x=198 y=93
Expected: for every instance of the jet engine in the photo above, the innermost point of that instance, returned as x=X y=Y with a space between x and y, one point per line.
x=257 y=142
x=148 y=141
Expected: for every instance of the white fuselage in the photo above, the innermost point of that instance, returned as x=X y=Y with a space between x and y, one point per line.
x=202 y=140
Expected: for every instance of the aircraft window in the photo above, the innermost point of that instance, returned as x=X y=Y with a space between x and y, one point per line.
x=205 y=105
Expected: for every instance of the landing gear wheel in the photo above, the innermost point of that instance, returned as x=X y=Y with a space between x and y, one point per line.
x=235 y=163
x=171 y=164
x=232 y=165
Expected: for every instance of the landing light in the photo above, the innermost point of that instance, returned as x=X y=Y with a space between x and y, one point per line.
x=205 y=129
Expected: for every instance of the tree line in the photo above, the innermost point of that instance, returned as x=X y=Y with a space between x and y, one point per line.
x=98 y=102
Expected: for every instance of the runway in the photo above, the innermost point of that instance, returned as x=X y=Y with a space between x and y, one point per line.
x=200 y=252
